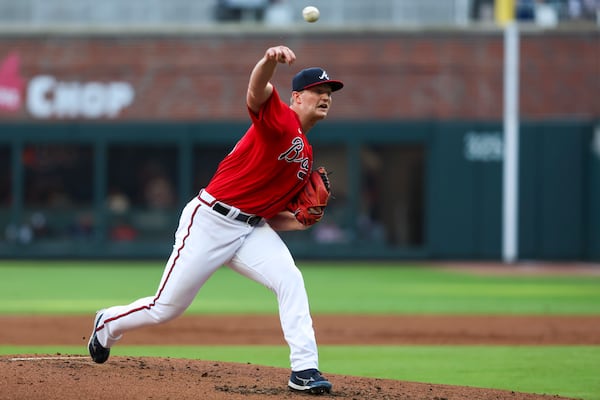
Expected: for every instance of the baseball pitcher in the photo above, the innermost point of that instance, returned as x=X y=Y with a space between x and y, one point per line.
x=265 y=184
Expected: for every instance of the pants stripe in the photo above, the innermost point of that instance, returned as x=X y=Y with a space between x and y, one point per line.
x=189 y=228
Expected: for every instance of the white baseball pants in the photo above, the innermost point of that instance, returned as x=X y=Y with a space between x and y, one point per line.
x=204 y=241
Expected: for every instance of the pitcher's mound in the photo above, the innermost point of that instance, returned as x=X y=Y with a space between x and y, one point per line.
x=56 y=377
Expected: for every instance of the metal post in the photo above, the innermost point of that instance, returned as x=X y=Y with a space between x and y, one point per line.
x=510 y=235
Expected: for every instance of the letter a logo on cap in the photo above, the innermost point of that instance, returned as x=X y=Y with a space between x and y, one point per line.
x=310 y=77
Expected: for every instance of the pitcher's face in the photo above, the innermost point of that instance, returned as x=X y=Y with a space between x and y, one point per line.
x=315 y=101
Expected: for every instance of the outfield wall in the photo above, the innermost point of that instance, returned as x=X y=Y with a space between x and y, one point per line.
x=104 y=136
x=402 y=74
x=402 y=189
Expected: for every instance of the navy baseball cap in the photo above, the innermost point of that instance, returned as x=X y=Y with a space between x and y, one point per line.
x=310 y=77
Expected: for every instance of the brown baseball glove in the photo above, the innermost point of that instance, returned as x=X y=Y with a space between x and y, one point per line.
x=309 y=204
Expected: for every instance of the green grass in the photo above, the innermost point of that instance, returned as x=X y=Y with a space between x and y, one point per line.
x=77 y=287
x=81 y=287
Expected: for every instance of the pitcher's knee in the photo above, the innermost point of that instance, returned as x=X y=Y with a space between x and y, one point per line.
x=166 y=312
x=290 y=282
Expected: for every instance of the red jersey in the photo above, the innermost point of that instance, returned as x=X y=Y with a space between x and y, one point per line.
x=268 y=165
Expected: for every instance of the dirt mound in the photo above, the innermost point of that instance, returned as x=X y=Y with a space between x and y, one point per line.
x=73 y=377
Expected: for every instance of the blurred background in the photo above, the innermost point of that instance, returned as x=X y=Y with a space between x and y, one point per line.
x=114 y=114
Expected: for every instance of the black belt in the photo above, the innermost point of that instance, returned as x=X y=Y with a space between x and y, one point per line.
x=251 y=220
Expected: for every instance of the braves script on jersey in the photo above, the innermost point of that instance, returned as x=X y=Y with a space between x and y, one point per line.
x=268 y=166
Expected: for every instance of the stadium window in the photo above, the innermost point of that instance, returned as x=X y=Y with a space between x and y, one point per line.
x=6 y=188
x=206 y=160
x=142 y=192
x=58 y=191
x=336 y=227
x=392 y=195
x=240 y=10
x=5 y=177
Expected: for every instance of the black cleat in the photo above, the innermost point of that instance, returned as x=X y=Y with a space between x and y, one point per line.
x=97 y=351
x=309 y=381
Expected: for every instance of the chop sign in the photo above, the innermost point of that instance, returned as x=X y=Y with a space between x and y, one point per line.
x=48 y=97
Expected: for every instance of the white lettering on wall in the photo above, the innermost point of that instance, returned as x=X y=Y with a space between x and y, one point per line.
x=47 y=97
x=483 y=146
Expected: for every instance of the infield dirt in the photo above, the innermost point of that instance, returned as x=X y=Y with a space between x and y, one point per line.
x=55 y=376
x=58 y=377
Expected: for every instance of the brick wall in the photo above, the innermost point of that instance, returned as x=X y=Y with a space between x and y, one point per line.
x=404 y=75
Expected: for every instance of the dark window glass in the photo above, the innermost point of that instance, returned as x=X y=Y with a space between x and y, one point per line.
x=142 y=189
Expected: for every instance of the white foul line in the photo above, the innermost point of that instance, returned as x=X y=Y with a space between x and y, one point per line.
x=45 y=358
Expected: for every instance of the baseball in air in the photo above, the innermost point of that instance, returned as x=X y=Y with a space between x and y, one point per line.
x=311 y=14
